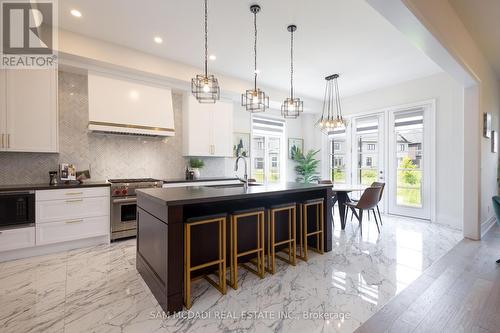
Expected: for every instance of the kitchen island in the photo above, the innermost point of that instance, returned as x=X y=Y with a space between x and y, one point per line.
x=161 y=214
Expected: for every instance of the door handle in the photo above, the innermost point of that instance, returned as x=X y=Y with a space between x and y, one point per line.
x=74 y=221
x=1 y=146
x=8 y=140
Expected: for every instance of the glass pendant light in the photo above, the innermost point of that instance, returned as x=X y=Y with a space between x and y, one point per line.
x=255 y=100
x=291 y=107
x=205 y=87
x=331 y=117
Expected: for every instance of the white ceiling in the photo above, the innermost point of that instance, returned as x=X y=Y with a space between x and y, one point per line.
x=482 y=19
x=348 y=37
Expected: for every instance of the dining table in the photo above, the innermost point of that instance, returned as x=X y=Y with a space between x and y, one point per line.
x=341 y=196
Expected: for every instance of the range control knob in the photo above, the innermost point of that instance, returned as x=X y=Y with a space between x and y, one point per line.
x=124 y=191
x=116 y=192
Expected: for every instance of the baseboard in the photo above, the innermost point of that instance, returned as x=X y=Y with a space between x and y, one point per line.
x=52 y=248
x=487 y=225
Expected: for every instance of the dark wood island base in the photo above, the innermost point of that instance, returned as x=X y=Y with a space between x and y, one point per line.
x=160 y=218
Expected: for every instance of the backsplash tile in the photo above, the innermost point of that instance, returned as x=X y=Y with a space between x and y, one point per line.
x=109 y=155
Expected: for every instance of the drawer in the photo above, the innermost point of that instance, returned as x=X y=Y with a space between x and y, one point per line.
x=17 y=238
x=71 y=193
x=71 y=208
x=55 y=232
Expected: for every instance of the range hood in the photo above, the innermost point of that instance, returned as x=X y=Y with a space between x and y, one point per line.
x=124 y=106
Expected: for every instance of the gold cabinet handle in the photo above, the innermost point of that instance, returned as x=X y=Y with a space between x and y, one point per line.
x=8 y=140
x=74 y=221
x=76 y=200
x=1 y=146
x=74 y=193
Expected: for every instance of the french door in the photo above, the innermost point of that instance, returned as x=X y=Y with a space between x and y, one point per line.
x=409 y=183
x=391 y=146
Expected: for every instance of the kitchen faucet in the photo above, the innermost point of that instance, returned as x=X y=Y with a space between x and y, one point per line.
x=245 y=177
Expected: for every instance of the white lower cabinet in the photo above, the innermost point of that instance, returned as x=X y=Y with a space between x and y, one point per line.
x=19 y=238
x=71 y=214
x=74 y=208
x=62 y=231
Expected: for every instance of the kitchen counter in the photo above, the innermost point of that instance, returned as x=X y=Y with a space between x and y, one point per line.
x=32 y=187
x=207 y=194
x=161 y=214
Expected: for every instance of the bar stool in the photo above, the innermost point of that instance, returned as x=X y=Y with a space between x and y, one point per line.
x=290 y=208
x=318 y=231
x=220 y=219
x=258 y=213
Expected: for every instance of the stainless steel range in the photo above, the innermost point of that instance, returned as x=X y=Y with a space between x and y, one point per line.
x=123 y=205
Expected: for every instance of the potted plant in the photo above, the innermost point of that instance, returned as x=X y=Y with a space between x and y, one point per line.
x=306 y=166
x=195 y=165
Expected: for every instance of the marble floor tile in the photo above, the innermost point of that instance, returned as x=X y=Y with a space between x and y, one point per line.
x=98 y=289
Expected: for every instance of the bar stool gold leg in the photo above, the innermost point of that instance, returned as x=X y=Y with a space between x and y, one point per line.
x=188 y=266
x=294 y=236
x=322 y=240
x=304 y=222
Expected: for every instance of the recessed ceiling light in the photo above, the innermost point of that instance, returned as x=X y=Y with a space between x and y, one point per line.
x=212 y=57
x=76 y=13
x=158 y=40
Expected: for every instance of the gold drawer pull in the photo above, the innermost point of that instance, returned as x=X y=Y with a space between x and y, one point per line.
x=75 y=200
x=74 y=221
x=74 y=193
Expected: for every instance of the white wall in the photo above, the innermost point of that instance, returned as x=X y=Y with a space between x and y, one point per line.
x=449 y=134
x=435 y=28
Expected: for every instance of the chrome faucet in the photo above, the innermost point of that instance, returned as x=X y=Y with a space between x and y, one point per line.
x=245 y=177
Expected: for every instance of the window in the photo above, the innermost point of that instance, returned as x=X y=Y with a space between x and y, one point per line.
x=368 y=161
x=337 y=156
x=402 y=147
x=370 y=146
x=267 y=150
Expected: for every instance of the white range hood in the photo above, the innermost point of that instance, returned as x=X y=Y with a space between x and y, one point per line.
x=124 y=106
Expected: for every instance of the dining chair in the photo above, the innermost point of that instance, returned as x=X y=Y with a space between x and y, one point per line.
x=374 y=184
x=368 y=201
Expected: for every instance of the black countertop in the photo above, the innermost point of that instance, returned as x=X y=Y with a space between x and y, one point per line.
x=30 y=187
x=203 y=179
x=204 y=194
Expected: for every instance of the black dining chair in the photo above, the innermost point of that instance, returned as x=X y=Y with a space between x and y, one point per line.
x=368 y=201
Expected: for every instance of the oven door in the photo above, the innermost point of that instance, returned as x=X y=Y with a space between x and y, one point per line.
x=124 y=211
x=17 y=209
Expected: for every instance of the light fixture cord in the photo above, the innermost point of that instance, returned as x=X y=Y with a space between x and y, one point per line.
x=255 y=50
x=206 y=39
x=291 y=65
x=337 y=98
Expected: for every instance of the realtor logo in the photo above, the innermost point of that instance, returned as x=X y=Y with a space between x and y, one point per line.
x=28 y=31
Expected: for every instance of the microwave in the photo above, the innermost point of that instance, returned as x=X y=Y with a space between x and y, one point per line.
x=17 y=209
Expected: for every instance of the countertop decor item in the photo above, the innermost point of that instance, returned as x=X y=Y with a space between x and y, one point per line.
x=67 y=172
x=255 y=100
x=292 y=106
x=331 y=116
x=196 y=164
x=53 y=178
x=205 y=87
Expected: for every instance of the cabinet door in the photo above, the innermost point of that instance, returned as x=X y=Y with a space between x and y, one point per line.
x=32 y=110
x=222 y=129
x=3 y=111
x=197 y=127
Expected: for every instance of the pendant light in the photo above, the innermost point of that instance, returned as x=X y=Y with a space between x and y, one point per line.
x=331 y=117
x=291 y=107
x=255 y=100
x=205 y=87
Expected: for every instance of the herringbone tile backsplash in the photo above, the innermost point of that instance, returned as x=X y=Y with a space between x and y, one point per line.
x=108 y=155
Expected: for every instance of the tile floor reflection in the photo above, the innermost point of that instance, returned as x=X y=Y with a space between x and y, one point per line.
x=98 y=289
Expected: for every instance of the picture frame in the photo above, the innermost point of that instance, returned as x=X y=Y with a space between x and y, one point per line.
x=241 y=144
x=494 y=141
x=67 y=171
x=487 y=125
x=295 y=144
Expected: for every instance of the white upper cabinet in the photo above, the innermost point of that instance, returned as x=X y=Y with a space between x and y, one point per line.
x=28 y=114
x=207 y=128
x=123 y=105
